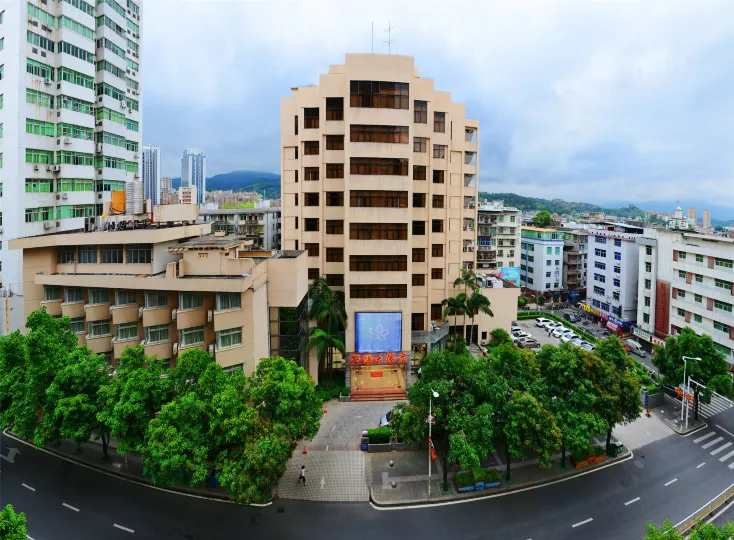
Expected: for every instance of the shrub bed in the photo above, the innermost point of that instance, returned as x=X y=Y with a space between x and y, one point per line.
x=379 y=435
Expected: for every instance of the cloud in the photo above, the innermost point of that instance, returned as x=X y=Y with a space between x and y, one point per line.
x=593 y=100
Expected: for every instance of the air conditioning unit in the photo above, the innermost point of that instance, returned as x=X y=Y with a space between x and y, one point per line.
x=136 y=155
x=137 y=175
x=57 y=168
x=173 y=314
x=58 y=224
x=140 y=313
x=98 y=123
x=99 y=148
x=35 y=167
x=123 y=104
x=175 y=349
x=48 y=168
x=211 y=349
x=64 y=196
x=47 y=81
x=67 y=140
x=129 y=110
x=30 y=19
x=58 y=196
x=1 y=229
x=99 y=195
x=142 y=342
x=47 y=225
x=209 y=316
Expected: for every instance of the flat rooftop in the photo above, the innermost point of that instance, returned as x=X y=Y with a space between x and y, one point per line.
x=233 y=211
x=538 y=229
x=211 y=241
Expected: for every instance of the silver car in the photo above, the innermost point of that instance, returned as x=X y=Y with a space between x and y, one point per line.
x=385 y=420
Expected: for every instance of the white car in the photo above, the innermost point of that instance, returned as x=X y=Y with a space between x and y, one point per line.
x=559 y=331
x=541 y=321
x=568 y=337
x=552 y=325
x=587 y=346
x=521 y=334
x=577 y=341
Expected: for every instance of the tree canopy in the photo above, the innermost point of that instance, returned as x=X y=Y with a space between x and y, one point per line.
x=702 y=531
x=543 y=219
x=12 y=525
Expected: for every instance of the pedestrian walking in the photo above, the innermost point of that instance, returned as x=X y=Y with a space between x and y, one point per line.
x=303 y=475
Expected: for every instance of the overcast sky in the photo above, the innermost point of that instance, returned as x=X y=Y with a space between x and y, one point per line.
x=587 y=101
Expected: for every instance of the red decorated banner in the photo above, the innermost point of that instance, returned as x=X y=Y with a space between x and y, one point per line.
x=377 y=359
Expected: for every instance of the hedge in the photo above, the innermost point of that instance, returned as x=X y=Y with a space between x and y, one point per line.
x=379 y=435
x=587 y=452
x=464 y=478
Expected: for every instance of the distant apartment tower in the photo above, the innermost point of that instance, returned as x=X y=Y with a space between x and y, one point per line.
x=70 y=114
x=575 y=260
x=187 y=195
x=193 y=172
x=166 y=183
x=498 y=237
x=706 y=219
x=261 y=225
x=379 y=186
x=541 y=259
x=686 y=279
x=612 y=274
x=152 y=173
x=692 y=215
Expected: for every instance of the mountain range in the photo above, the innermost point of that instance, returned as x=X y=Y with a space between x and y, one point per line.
x=267 y=184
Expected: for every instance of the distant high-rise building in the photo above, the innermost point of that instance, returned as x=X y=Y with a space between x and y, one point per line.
x=692 y=215
x=152 y=173
x=166 y=183
x=193 y=172
x=706 y=218
x=187 y=195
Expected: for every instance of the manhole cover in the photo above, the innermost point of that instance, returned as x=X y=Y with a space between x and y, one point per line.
x=281 y=510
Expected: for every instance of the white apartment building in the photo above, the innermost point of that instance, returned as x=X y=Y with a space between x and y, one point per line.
x=686 y=280
x=193 y=172
x=612 y=274
x=498 y=236
x=70 y=116
x=152 y=174
x=261 y=225
x=541 y=259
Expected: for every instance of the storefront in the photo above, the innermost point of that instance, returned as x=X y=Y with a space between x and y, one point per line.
x=620 y=328
x=647 y=336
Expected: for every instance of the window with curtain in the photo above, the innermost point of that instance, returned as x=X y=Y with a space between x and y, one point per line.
x=99 y=328
x=229 y=338
x=73 y=294
x=126 y=331
x=154 y=299
x=228 y=301
x=99 y=296
x=190 y=300
x=124 y=297
x=188 y=337
x=156 y=334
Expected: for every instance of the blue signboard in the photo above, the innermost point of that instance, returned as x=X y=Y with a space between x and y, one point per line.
x=379 y=332
x=511 y=274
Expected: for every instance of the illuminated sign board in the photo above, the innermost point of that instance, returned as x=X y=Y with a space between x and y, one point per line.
x=378 y=332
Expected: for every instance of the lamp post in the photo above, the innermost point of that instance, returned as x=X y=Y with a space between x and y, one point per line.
x=434 y=394
x=685 y=364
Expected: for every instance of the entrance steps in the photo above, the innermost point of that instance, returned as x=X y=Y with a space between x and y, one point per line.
x=378 y=395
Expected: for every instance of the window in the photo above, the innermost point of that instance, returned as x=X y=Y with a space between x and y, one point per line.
x=722 y=327
x=381 y=166
x=65 y=255
x=600 y=240
x=439 y=151
x=419 y=280
x=35 y=97
x=334 y=198
x=82 y=5
x=378 y=134
x=378 y=199
x=311 y=199
x=110 y=46
x=74 y=104
x=647 y=301
x=189 y=337
x=311 y=148
x=681 y=274
x=419 y=255
x=75 y=132
x=73 y=294
x=335 y=170
x=190 y=300
x=438 y=176
x=228 y=301
x=378 y=291
x=156 y=334
x=648 y=267
x=379 y=95
x=420 y=144
x=139 y=254
x=699 y=278
x=436 y=273
x=378 y=263
x=699 y=258
x=51 y=293
x=437 y=225
x=681 y=294
x=74 y=77
x=419 y=172
x=378 y=231
x=439 y=122
x=38 y=127
x=76 y=326
x=124 y=297
x=724 y=263
x=334 y=254
x=723 y=306
x=229 y=338
x=311 y=224
x=44 y=213
x=104 y=65
x=126 y=331
x=296 y=124
x=334 y=142
x=722 y=284
x=99 y=296
x=420 y=112
x=549 y=251
x=548 y=262
x=99 y=328
x=417 y=322
x=313 y=273
x=558 y=251
x=156 y=299
x=436 y=312
x=312 y=249
x=77 y=52
x=600 y=265
x=39 y=41
x=75 y=211
x=547 y=274
x=617 y=242
x=600 y=278
x=111 y=254
x=648 y=250
x=682 y=255
x=547 y=285
x=311 y=174
x=40 y=70
x=87 y=254
x=65 y=157
x=617 y=256
x=311 y=118
x=334 y=226
x=600 y=252
x=103 y=113
x=698 y=298
x=419 y=200
x=334 y=109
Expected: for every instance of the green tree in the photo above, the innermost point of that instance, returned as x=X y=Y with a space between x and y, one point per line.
x=329 y=310
x=455 y=305
x=13 y=363
x=521 y=301
x=712 y=370
x=540 y=300
x=468 y=279
x=499 y=336
x=702 y=531
x=543 y=219
x=12 y=525
x=325 y=342
x=132 y=398
x=72 y=402
x=463 y=415
x=477 y=303
x=570 y=395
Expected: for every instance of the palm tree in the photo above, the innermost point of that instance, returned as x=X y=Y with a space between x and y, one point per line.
x=455 y=305
x=477 y=303
x=327 y=307
x=468 y=279
x=325 y=343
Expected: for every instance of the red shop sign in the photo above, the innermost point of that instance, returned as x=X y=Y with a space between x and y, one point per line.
x=376 y=374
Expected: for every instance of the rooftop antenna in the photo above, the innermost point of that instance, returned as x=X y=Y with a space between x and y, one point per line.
x=373 y=38
x=389 y=41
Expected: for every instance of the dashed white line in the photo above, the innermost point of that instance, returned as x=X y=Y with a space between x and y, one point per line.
x=332 y=429
x=717 y=440
x=70 y=507
x=671 y=482
x=704 y=437
x=28 y=487
x=725 y=431
x=123 y=528
x=720 y=448
x=700 y=465
x=632 y=501
x=327 y=447
x=726 y=456
x=584 y=522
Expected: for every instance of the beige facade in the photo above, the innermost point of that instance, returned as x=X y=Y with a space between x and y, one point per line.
x=379 y=186
x=170 y=289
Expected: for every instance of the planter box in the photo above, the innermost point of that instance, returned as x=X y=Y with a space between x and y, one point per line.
x=492 y=484
x=381 y=447
x=479 y=486
x=345 y=399
x=464 y=489
x=589 y=461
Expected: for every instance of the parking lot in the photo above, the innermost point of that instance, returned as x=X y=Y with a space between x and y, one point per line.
x=538 y=333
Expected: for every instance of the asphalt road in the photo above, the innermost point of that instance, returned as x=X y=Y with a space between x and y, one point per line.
x=546 y=513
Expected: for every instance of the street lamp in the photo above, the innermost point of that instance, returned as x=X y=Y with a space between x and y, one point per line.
x=434 y=394
x=685 y=363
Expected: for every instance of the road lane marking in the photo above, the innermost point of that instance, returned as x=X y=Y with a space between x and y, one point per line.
x=731 y=465
x=584 y=522
x=70 y=507
x=327 y=447
x=632 y=501
x=28 y=487
x=717 y=440
x=123 y=528
x=720 y=448
x=725 y=431
x=704 y=437
x=672 y=481
x=332 y=429
x=700 y=465
x=726 y=456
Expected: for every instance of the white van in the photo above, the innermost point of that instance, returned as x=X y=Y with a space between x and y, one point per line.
x=635 y=347
x=540 y=321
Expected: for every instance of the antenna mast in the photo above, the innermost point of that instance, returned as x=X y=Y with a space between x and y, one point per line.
x=389 y=41
x=373 y=38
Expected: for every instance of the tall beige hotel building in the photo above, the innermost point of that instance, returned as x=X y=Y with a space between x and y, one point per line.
x=379 y=186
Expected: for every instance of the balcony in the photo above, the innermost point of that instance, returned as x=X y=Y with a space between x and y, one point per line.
x=53 y=307
x=155 y=316
x=485 y=248
x=470 y=158
x=470 y=135
x=232 y=318
x=97 y=312
x=119 y=346
x=99 y=344
x=470 y=180
x=125 y=314
x=191 y=318
x=469 y=203
x=73 y=310
x=162 y=350
x=469 y=248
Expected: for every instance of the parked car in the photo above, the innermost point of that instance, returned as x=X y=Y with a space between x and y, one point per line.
x=540 y=321
x=385 y=420
x=568 y=337
x=529 y=343
x=571 y=317
x=560 y=330
x=577 y=341
x=635 y=347
x=549 y=327
x=588 y=346
x=521 y=334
